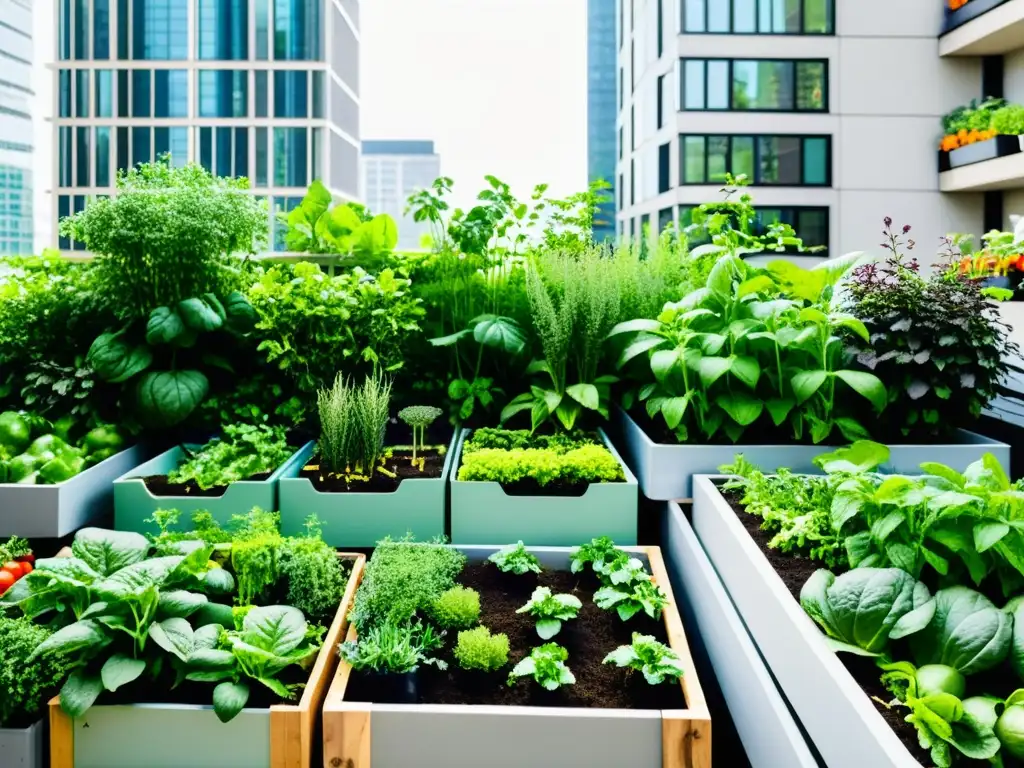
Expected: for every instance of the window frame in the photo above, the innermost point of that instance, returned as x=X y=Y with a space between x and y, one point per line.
x=730 y=80
x=756 y=180
x=831 y=8
x=794 y=210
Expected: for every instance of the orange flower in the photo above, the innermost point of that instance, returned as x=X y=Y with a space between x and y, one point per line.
x=949 y=143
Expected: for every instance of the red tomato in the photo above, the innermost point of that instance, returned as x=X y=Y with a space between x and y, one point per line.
x=14 y=568
x=29 y=558
x=26 y=568
x=6 y=580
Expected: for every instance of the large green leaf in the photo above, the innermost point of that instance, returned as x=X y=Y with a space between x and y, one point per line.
x=166 y=398
x=175 y=636
x=240 y=314
x=278 y=629
x=673 y=409
x=742 y=408
x=136 y=578
x=967 y=632
x=499 y=332
x=862 y=456
x=107 y=551
x=181 y=603
x=806 y=383
x=712 y=369
x=867 y=385
x=633 y=326
x=164 y=326
x=229 y=699
x=585 y=394
x=115 y=360
x=121 y=669
x=746 y=369
x=663 y=361
x=198 y=315
x=86 y=634
x=80 y=692
x=638 y=346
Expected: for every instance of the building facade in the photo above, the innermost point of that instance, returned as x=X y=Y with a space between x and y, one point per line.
x=391 y=172
x=601 y=107
x=832 y=109
x=267 y=89
x=16 y=139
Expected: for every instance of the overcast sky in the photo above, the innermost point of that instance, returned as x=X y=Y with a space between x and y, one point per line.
x=499 y=85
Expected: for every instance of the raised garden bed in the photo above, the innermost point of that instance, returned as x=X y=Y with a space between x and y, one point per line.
x=485 y=512
x=145 y=489
x=23 y=747
x=191 y=736
x=456 y=724
x=665 y=472
x=844 y=724
x=55 y=511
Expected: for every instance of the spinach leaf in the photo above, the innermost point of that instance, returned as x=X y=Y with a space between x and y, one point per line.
x=967 y=632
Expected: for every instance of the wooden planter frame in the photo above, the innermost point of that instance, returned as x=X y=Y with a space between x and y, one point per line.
x=292 y=726
x=685 y=733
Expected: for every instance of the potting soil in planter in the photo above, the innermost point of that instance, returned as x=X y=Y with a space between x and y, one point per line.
x=160 y=485
x=588 y=639
x=400 y=464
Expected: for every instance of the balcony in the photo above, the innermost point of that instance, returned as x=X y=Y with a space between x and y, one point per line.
x=983 y=28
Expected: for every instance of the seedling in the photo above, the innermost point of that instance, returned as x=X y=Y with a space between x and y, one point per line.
x=546 y=665
x=550 y=611
x=600 y=554
x=419 y=417
x=515 y=559
x=655 y=660
x=630 y=599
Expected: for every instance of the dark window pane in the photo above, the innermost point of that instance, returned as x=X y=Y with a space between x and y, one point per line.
x=101 y=29
x=170 y=98
x=82 y=93
x=318 y=94
x=693 y=84
x=83 y=158
x=664 y=154
x=63 y=211
x=123 y=30
x=664 y=219
x=142 y=151
x=816 y=161
x=718 y=15
x=159 y=29
x=718 y=158
x=297 y=30
x=290 y=157
x=64 y=88
x=206 y=148
x=262 y=29
x=103 y=157
x=82 y=28
x=123 y=160
x=223 y=93
x=812 y=226
x=693 y=160
x=620 y=192
x=64 y=30
x=241 y=152
x=65 y=151
x=77 y=206
x=810 y=85
x=161 y=142
x=743 y=157
x=223 y=29
x=290 y=95
x=261 y=93
x=718 y=85
x=661 y=101
x=140 y=93
x=224 y=156
x=123 y=91
x=780 y=158
x=261 y=157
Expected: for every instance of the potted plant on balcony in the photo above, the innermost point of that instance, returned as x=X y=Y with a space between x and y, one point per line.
x=981 y=132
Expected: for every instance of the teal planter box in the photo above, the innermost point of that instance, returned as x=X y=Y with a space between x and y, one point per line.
x=417 y=506
x=483 y=514
x=133 y=502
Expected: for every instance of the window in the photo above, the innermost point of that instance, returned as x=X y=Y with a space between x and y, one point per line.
x=261 y=92
x=101 y=29
x=82 y=93
x=170 y=91
x=297 y=30
x=223 y=93
x=141 y=93
x=810 y=223
x=661 y=102
x=104 y=93
x=661 y=29
x=793 y=161
x=620 y=142
x=159 y=29
x=290 y=95
x=663 y=168
x=758 y=85
x=759 y=17
x=632 y=66
x=664 y=219
x=622 y=22
x=632 y=181
x=632 y=127
x=621 y=192
x=223 y=29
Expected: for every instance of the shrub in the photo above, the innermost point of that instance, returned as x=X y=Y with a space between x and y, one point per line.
x=403 y=577
x=26 y=682
x=586 y=464
x=479 y=649
x=352 y=424
x=456 y=608
x=315 y=576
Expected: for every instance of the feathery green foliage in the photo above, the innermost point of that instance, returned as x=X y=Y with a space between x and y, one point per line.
x=26 y=682
x=479 y=649
x=456 y=608
x=352 y=423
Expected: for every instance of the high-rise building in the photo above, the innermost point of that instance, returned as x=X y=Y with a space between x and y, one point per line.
x=393 y=170
x=831 y=108
x=267 y=89
x=16 y=140
x=601 y=107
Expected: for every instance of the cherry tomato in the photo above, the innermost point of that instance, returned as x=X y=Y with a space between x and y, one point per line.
x=29 y=558
x=14 y=568
x=26 y=568
x=6 y=580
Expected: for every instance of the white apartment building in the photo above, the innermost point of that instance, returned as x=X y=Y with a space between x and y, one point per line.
x=392 y=170
x=267 y=89
x=16 y=138
x=832 y=107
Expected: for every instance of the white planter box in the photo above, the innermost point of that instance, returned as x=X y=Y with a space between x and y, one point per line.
x=665 y=472
x=365 y=735
x=838 y=716
x=770 y=736
x=23 y=747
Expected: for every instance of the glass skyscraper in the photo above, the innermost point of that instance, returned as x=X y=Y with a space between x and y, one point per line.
x=392 y=171
x=16 y=223
x=267 y=89
x=601 y=107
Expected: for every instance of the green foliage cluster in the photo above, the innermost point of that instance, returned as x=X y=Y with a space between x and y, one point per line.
x=550 y=610
x=515 y=558
x=517 y=439
x=478 y=649
x=546 y=665
x=586 y=464
x=656 y=661
x=245 y=451
x=394 y=648
x=626 y=585
x=456 y=608
x=352 y=424
x=27 y=680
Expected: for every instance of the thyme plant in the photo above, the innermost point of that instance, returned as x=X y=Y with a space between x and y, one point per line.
x=352 y=424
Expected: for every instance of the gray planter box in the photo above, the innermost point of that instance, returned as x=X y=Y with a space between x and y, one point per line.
x=361 y=734
x=482 y=513
x=23 y=747
x=837 y=715
x=666 y=471
x=417 y=506
x=54 y=511
x=770 y=736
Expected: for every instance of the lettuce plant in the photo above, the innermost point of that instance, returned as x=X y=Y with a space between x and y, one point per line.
x=244 y=451
x=966 y=632
x=546 y=665
x=629 y=599
x=861 y=610
x=601 y=554
x=515 y=559
x=550 y=611
x=656 y=661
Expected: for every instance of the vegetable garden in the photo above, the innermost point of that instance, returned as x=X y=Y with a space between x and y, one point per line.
x=389 y=508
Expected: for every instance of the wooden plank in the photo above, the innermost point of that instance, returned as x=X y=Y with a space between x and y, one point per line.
x=292 y=726
x=347 y=737
x=685 y=740
x=62 y=737
x=690 y=683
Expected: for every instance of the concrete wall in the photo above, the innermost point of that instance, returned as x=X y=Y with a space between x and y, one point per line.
x=888 y=89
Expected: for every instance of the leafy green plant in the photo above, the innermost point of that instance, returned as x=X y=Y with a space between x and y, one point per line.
x=26 y=681
x=628 y=599
x=456 y=608
x=550 y=611
x=514 y=558
x=587 y=464
x=546 y=665
x=244 y=451
x=513 y=439
x=966 y=632
x=936 y=341
x=478 y=649
x=419 y=417
x=396 y=649
x=352 y=424
x=861 y=610
x=656 y=661
x=601 y=554
x=1009 y=120
x=752 y=346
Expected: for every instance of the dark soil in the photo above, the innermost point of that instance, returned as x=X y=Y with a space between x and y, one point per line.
x=588 y=639
x=399 y=464
x=158 y=485
x=528 y=486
